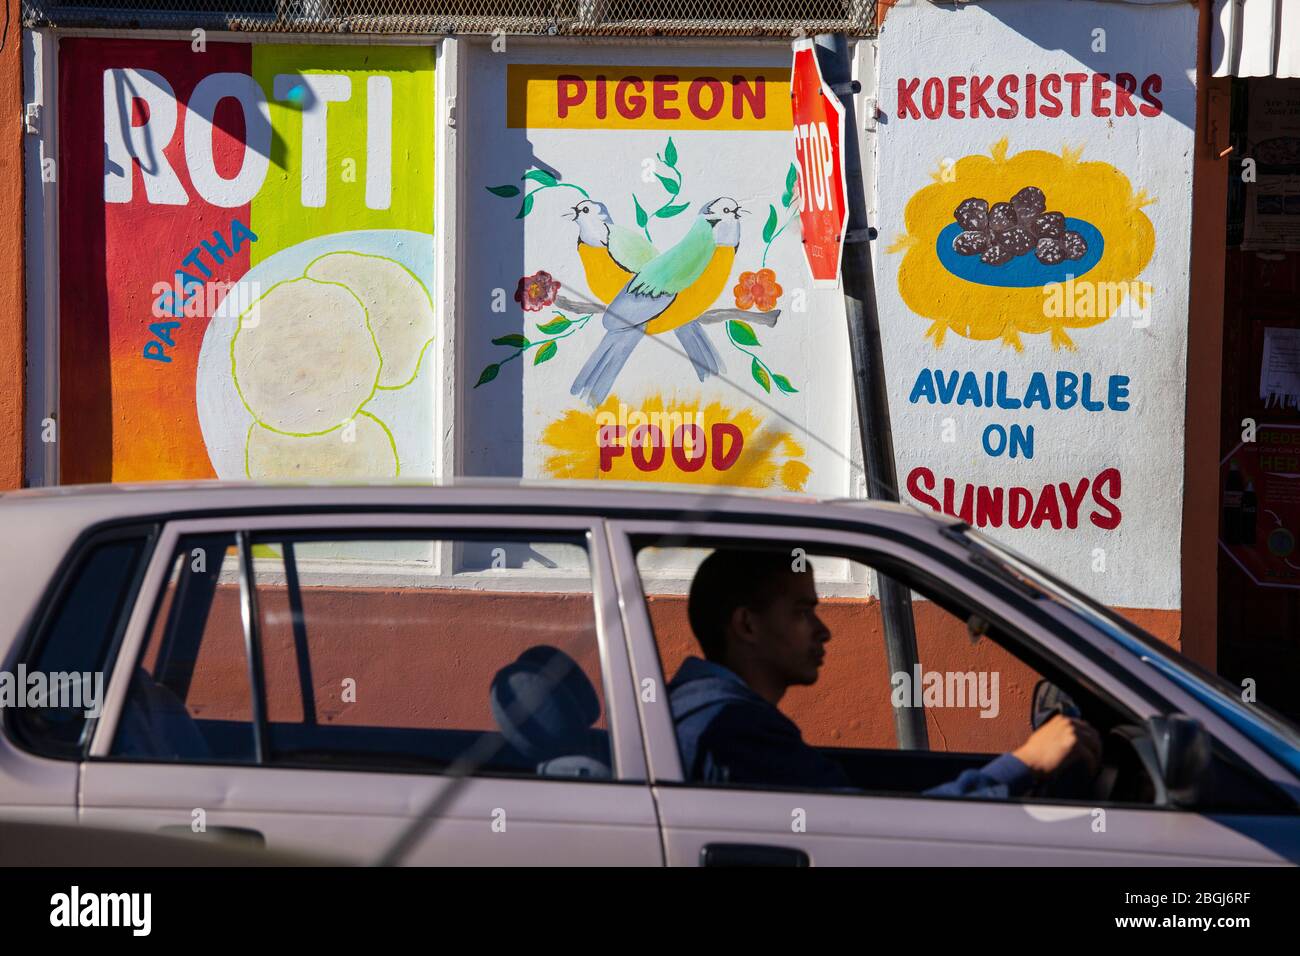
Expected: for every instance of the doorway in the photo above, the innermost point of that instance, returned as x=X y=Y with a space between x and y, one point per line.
x=1259 y=473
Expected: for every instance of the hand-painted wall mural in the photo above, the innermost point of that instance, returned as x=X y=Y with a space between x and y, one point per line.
x=1035 y=228
x=639 y=305
x=246 y=260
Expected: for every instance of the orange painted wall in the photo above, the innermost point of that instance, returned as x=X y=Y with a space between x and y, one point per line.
x=12 y=318
x=419 y=657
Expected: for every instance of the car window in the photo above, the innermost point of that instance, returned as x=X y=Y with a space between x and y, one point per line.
x=189 y=699
x=391 y=652
x=975 y=694
x=71 y=651
x=849 y=706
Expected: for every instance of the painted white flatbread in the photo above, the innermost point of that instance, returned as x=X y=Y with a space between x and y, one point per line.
x=401 y=315
x=360 y=449
x=304 y=359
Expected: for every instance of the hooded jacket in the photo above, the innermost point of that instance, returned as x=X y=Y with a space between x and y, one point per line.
x=727 y=733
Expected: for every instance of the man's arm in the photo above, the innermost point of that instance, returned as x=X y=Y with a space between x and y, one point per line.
x=1007 y=776
x=1011 y=775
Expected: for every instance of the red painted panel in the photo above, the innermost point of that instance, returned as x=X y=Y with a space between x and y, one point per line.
x=125 y=417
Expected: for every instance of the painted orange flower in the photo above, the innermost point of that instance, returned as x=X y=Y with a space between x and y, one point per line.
x=536 y=292
x=757 y=290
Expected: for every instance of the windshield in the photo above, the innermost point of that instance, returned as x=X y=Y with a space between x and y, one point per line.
x=1224 y=697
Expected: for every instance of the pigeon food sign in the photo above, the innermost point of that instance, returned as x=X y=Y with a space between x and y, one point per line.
x=642 y=310
x=819 y=158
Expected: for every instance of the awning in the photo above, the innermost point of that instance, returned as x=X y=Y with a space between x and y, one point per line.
x=1256 y=38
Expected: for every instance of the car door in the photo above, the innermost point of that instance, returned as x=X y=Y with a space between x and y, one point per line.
x=715 y=824
x=316 y=683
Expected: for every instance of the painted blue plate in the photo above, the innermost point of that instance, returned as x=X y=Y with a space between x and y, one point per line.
x=1022 y=272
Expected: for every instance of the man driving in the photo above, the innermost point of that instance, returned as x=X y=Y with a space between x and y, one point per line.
x=756 y=621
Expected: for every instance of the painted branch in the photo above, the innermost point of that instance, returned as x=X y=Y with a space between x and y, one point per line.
x=753 y=318
x=581 y=306
x=577 y=304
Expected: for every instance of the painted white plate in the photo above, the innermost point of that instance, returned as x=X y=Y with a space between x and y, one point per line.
x=406 y=412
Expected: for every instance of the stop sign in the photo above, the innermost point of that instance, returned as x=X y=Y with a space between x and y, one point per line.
x=819 y=157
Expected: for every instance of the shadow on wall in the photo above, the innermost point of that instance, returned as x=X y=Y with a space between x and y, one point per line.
x=491 y=420
x=1123 y=45
x=110 y=397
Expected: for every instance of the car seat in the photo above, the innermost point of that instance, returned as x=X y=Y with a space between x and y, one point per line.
x=545 y=707
x=155 y=723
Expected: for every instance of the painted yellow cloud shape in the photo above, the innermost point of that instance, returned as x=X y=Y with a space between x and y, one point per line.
x=1095 y=192
x=769 y=457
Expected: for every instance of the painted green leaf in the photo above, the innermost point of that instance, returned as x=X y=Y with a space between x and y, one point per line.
x=545 y=353
x=488 y=374
x=669 y=211
x=514 y=340
x=783 y=383
x=641 y=217
x=670 y=154
x=742 y=332
x=791 y=178
x=769 y=227
x=669 y=184
x=760 y=375
x=558 y=324
x=526 y=208
x=504 y=191
x=541 y=176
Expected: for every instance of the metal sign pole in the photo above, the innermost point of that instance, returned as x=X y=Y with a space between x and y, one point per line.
x=869 y=381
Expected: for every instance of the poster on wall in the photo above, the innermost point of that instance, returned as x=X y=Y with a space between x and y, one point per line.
x=637 y=305
x=1035 y=222
x=1272 y=219
x=1260 y=518
x=246 y=260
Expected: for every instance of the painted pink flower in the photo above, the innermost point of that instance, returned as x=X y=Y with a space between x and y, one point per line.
x=536 y=292
x=757 y=290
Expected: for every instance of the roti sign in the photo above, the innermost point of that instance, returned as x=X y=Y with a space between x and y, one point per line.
x=819 y=158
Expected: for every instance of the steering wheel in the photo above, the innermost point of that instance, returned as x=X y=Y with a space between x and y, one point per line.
x=1128 y=758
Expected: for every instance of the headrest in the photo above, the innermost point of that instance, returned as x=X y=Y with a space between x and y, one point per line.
x=544 y=704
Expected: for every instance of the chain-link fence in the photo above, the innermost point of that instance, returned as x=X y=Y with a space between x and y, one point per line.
x=539 y=17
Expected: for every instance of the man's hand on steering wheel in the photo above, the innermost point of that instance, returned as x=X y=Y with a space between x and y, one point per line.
x=1058 y=742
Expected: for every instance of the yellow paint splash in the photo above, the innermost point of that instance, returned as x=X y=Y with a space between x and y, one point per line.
x=1096 y=192
x=769 y=458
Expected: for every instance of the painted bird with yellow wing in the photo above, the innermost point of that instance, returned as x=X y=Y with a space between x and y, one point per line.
x=659 y=292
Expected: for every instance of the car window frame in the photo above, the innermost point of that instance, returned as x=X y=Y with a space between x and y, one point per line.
x=57 y=592
x=1122 y=682
x=619 y=697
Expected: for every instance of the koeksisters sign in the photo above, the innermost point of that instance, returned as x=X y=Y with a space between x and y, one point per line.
x=1035 y=226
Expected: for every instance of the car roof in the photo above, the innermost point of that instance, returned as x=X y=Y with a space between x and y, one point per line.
x=99 y=503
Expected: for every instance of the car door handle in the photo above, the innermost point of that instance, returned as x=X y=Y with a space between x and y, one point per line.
x=244 y=835
x=750 y=854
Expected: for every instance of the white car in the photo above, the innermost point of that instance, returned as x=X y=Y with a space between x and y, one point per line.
x=478 y=674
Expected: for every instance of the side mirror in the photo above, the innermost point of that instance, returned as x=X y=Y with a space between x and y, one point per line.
x=1050 y=700
x=1182 y=752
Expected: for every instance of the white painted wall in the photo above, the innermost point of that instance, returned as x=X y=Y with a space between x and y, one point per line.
x=1137 y=562
x=504 y=421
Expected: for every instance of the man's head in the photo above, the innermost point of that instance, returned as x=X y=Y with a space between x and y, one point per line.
x=752 y=612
